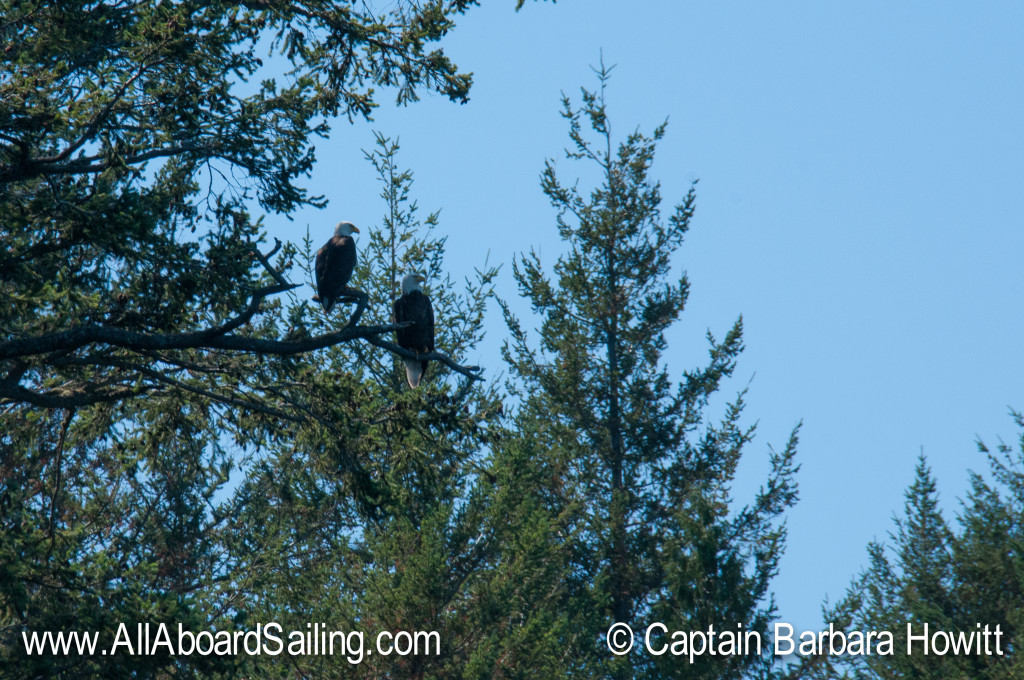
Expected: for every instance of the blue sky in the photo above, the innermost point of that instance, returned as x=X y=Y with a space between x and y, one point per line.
x=861 y=169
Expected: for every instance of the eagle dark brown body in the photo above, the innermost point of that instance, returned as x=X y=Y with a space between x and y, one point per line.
x=414 y=307
x=335 y=262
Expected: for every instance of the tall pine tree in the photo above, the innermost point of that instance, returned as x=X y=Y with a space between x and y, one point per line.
x=640 y=475
x=952 y=578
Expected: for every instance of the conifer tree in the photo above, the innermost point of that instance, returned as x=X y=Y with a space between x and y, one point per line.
x=639 y=474
x=148 y=361
x=436 y=535
x=954 y=580
x=125 y=129
x=917 y=590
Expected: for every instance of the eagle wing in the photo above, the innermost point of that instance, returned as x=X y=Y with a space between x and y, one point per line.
x=428 y=324
x=415 y=307
x=419 y=336
x=335 y=263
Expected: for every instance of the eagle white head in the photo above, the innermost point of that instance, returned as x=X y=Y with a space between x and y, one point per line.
x=345 y=229
x=411 y=282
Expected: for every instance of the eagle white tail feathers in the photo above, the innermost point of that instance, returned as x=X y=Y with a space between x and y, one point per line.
x=414 y=370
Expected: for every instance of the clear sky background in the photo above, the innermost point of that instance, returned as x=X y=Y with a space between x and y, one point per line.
x=861 y=172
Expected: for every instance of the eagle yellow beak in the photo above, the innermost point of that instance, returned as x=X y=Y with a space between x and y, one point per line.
x=421 y=278
x=355 y=228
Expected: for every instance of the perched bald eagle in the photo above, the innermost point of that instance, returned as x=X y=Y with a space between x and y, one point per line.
x=334 y=265
x=415 y=306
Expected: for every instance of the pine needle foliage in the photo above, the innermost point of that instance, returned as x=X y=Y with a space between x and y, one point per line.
x=159 y=417
x=135 y=140
x=640 y=474
x=441 y=532
x=953 y=578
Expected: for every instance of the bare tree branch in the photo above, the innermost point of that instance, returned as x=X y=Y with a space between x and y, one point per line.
x=470 y=372
x=265 y=261
x=19 y=394
x=90 y=164
x=208 y=339
x=222 y=398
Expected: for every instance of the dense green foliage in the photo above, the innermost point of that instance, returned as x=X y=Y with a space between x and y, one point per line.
x=185 y=441
x=134 y=138
x=952 y=578
x=639 y=473
x=181 y=438
x=421 y=547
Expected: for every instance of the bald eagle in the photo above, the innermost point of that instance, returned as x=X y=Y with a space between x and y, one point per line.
x=334 y=265
x=414 y=306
